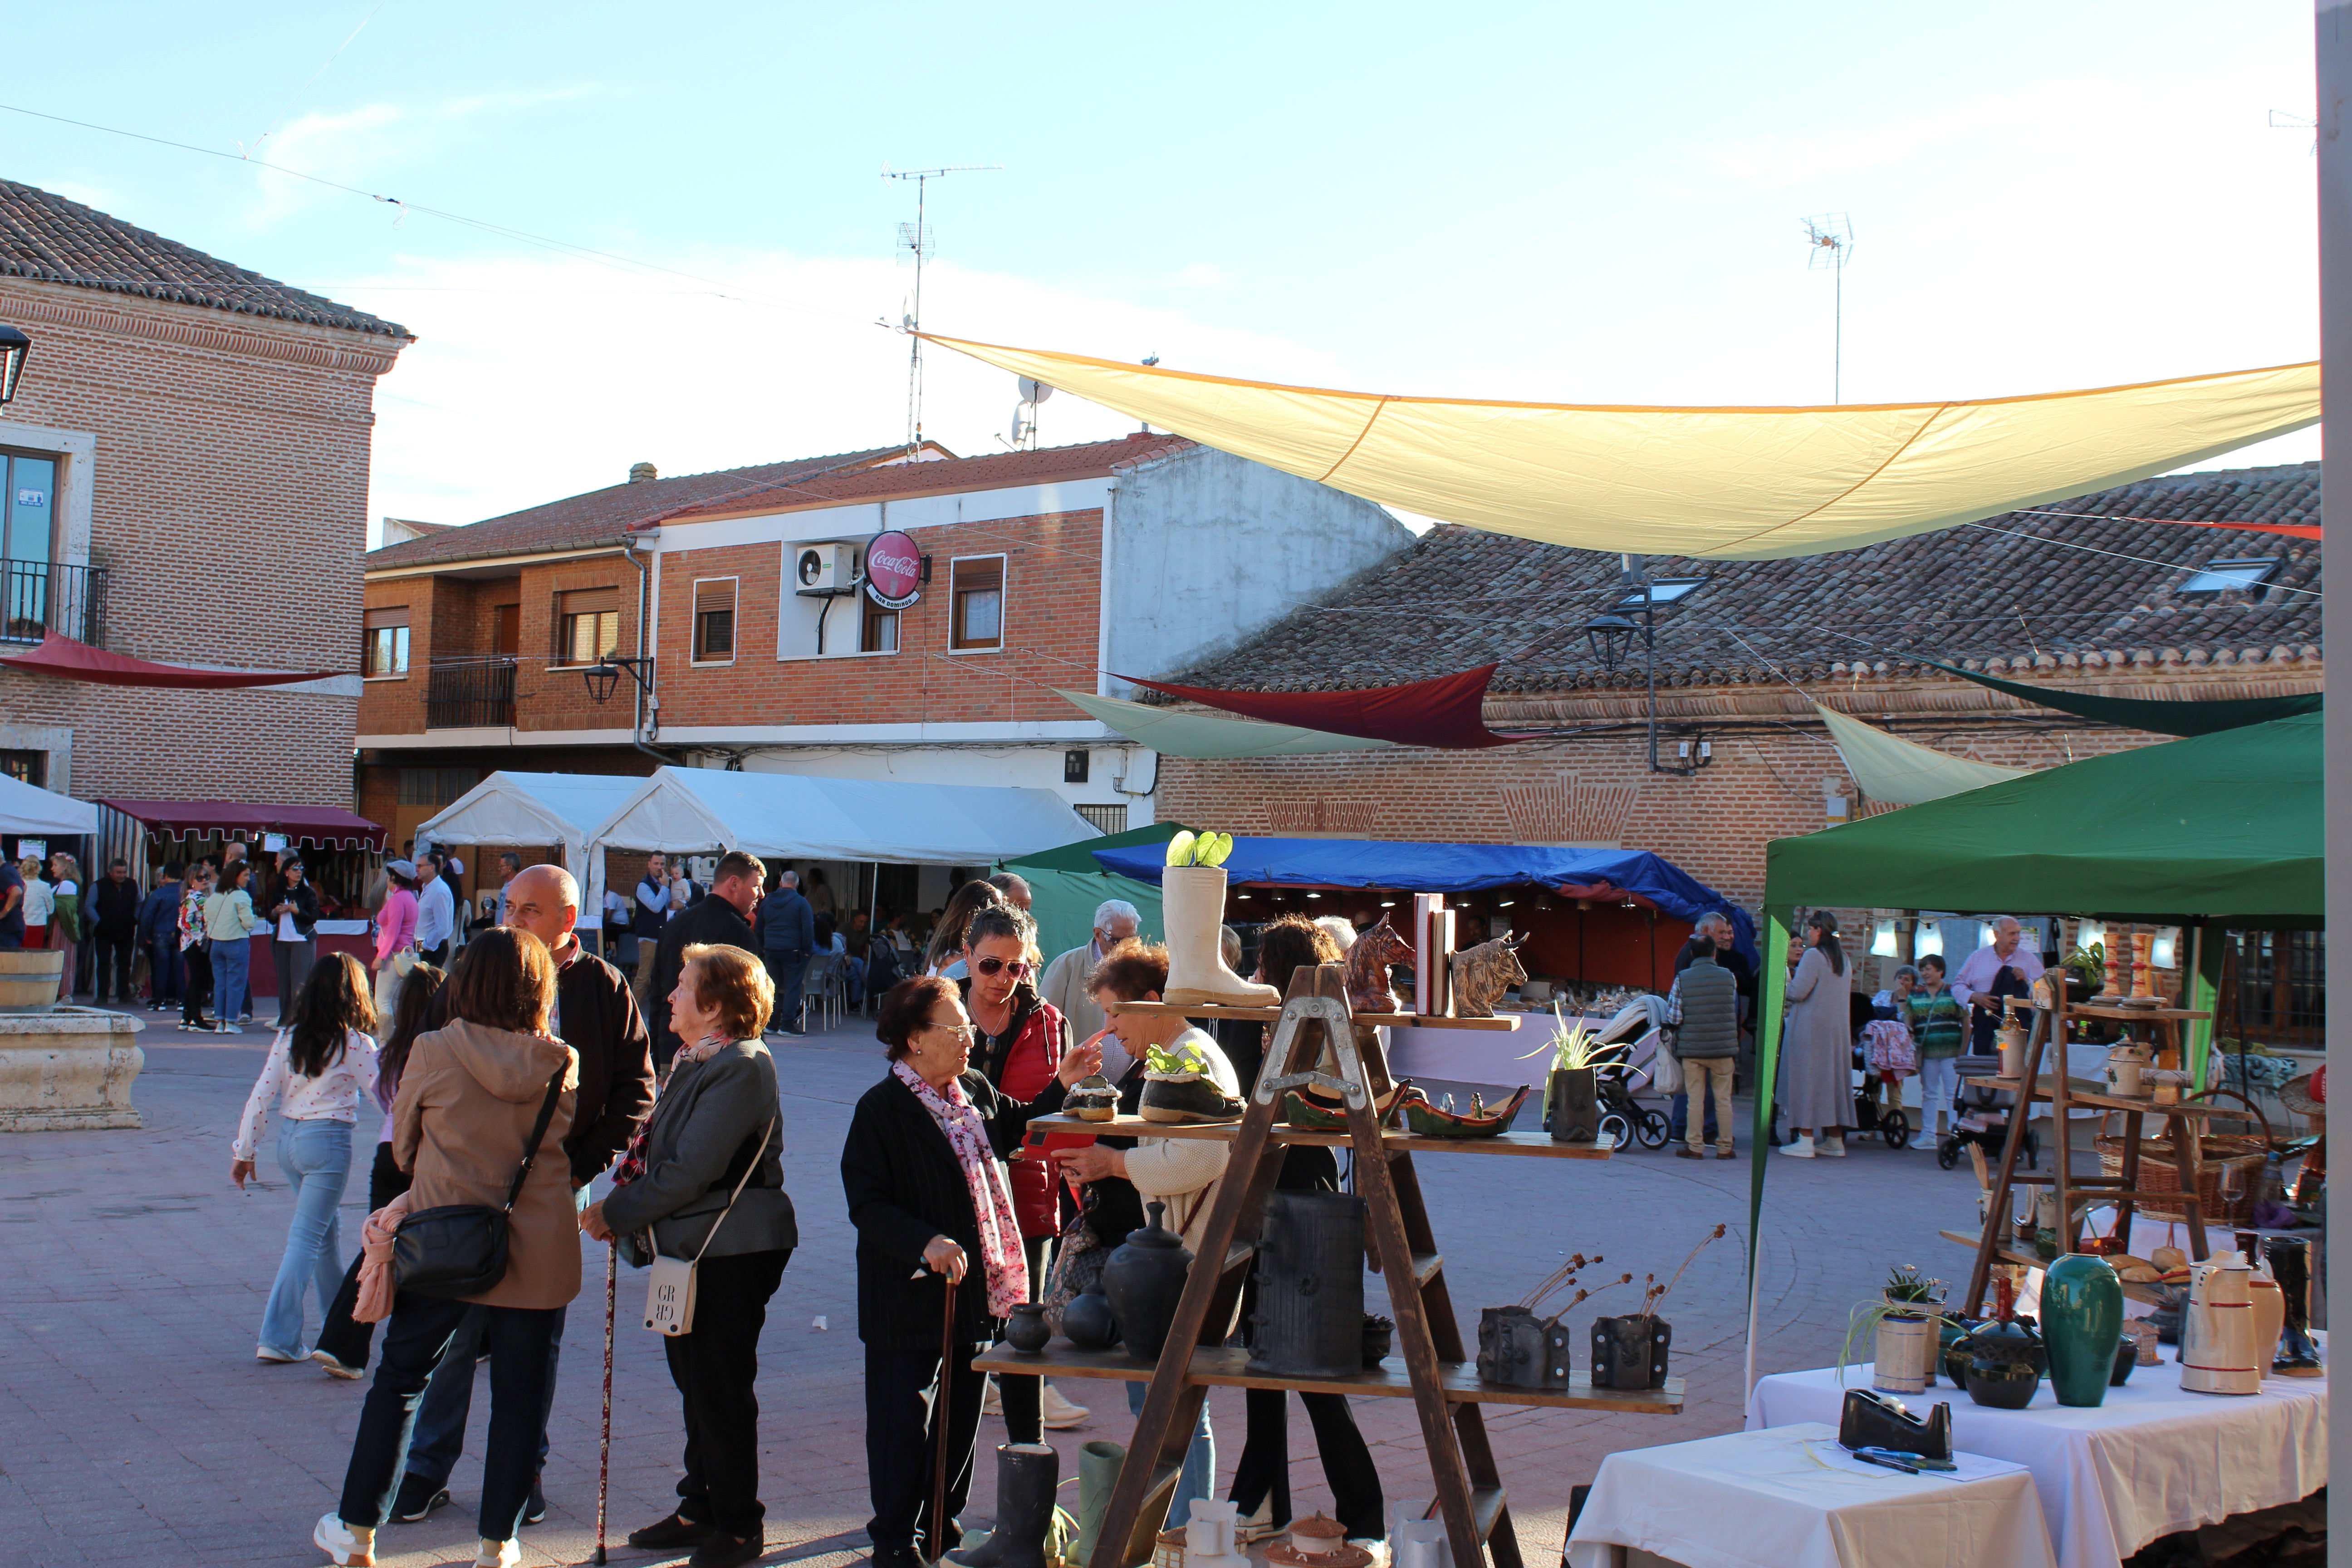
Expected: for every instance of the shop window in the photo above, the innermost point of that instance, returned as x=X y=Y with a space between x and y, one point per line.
x=1105 y=818
x=26 y=767
x=387 y=643
x=976 y=600
x=714 y=621
x=587 y=624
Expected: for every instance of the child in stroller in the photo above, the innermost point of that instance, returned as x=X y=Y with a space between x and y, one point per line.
x=1629 y=1044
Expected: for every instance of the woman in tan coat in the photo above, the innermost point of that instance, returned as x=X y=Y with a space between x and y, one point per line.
x=470 y=1095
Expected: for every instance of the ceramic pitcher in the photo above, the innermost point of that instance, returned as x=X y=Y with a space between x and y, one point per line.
x=2218 y=1329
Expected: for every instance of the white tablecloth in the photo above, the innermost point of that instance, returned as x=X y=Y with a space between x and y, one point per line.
x=1791 y=1498
x=2149 y=1461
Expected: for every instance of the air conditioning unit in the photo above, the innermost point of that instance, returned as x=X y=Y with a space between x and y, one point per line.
x=824 y=571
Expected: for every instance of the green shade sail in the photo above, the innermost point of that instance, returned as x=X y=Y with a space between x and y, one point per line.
x=2157 y=716
x=1067 y=885
x=1887 y=767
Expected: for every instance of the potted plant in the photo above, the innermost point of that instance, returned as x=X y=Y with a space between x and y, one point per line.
x=1630 y=1352
x=1905 y=1328
x=1571 y=1109
x=1177 y=1087
x=1518 y=1350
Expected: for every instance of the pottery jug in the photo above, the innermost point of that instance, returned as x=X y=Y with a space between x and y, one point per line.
x=1087 y=1321
x=2217 y=1329
x=1026 y=1330
x=2125 y=1063
x=2081 y=1318
x=1575 y=1117
x=1144 y=1279
x=2270 y=1301
x=1310 y=1320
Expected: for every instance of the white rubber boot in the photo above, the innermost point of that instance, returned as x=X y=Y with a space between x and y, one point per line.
x=1192 y=906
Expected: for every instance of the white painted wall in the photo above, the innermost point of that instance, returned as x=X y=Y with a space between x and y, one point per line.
x=1019 y=767
x=1205 y=550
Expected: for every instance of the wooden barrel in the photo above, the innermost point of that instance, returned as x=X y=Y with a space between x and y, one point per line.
x=29 y=980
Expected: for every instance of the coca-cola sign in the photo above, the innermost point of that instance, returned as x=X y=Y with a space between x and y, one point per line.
x=894 y=570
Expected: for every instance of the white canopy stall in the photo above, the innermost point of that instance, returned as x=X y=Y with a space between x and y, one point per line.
x=516 y=808
x=30 y=809
x=700 y=811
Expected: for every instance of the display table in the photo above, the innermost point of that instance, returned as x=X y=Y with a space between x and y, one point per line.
x=2148 y=1462
x=1791 y=1498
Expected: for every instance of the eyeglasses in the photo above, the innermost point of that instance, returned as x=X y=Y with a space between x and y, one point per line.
x=1018 y=967
x=961 y=1031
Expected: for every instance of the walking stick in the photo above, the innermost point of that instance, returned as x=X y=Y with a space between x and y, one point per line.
x=939 y=1426
x=604 y=1446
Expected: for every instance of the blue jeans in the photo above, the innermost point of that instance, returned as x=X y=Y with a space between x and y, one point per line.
x=788 y=967
x=164 y=960
x=1200 y=1476
x=232 y=963
x=855 y=968
x=317 y=1158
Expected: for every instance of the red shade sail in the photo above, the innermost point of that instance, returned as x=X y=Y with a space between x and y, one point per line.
x=329 y=827
x=1444 y=712
x=71 y=660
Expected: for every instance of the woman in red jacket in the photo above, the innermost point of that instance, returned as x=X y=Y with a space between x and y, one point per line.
x=1020 y=1043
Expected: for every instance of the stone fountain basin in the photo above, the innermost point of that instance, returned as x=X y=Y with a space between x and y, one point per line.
x=68 y=1067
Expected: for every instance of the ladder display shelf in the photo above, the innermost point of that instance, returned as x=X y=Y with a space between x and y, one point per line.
x=1430 y=1366
x=2062 y=1094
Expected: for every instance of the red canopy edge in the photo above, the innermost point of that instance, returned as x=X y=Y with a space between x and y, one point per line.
x=68 y=659
x=329 y=827
x=1442 y=712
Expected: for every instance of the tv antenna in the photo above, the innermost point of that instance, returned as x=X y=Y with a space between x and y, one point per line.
x=1025 y=415
x=917 y=238
x=1830 y=237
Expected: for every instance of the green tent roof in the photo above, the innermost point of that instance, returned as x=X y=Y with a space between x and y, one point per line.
x=1080 y=856
x=2228 y=827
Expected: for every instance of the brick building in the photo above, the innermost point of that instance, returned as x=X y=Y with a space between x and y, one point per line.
x=187 y=478
x=1040 y=568
x=2112 y=601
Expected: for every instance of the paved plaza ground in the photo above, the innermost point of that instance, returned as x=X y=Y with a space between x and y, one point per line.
x=135 y=1425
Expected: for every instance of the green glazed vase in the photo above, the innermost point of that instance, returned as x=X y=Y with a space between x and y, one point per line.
x=2082 y=1314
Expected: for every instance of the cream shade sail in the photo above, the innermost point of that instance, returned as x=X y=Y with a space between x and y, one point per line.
x=1206 y=736
x=1887 y=767
x=1750 y=484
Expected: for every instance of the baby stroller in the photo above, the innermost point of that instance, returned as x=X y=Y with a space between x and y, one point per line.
x=1885 y=1058
x=1628 y=1046
x=1980 y=1116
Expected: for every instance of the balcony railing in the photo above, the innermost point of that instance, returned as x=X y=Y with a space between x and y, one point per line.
x=41 y=596
x=470 y=694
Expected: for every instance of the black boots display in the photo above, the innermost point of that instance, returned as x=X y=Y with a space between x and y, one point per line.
x=1025 y=1477
x=2290 y=1262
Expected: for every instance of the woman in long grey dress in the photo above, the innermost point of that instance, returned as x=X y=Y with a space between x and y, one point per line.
x=1817 y=1050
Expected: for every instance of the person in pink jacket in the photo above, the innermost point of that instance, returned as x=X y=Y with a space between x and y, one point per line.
x=396 y=932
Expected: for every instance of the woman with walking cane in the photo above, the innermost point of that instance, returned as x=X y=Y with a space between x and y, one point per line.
x=923 y=1170
x=706 y=1178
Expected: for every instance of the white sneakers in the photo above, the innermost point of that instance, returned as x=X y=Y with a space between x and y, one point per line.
x=278 y=1358
x=1833 y=1146
x=1925 y=1139
x=1059 y=1413
x=498 y=1554
x=334 y=1368
x=345 y=1547
x=1800 y=1146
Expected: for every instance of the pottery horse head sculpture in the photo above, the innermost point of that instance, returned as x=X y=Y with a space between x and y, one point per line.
x=1483 y=974
x=1368 y=969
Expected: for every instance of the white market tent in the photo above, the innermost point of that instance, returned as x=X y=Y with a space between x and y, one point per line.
x=28 y=808
x=517 y=808
x=698 y=811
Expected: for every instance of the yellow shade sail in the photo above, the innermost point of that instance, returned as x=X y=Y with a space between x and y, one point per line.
x=1750 y=484
x=1887 y=767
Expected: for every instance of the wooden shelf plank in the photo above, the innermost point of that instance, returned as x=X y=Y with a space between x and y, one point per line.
x=2096 y=1100
x=1229 y=1368
x=1501 y=1022
x=1425 y=1266
x=1536 y=1144
x=2030 y=1258
x=1486 y=1506
x=2108 y=1010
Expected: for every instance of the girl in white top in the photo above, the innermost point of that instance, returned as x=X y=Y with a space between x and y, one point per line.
x=320 y=1071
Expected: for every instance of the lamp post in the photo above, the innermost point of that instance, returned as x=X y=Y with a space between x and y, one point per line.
x=603 y=677
x=1613 y=636
x=14 y=346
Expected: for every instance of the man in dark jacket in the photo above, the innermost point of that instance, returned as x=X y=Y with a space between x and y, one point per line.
x=723 y=920
x=114 y=921
x=596 y=1014
x=1704 y=1010
x=787 y=932
x=159 y=933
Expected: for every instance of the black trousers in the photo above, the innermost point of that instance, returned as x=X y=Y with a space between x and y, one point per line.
x=340 y=1337
x=198 y=994
x=901 y=1389
x=1348 y=1467
x=714 y=1367
x=112 y=956
x=415 y=1337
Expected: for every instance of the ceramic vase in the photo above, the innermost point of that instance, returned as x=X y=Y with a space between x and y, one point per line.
x=1518 y=1350
x=1026 y=1330
x=2003 y=1384
x=1087 y=1321
x=1575 y=1115
x=2126 y=1357
x=1630 y=1353
x=1144 y=1279
x=2217 y=1330
x=2082 y=1317
x=1310 y=1320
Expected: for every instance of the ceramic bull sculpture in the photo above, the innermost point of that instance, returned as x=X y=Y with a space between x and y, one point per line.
x=1484 y=975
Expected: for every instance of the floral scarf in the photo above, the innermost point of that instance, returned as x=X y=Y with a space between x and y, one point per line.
x=991 y=1199
x=633 y=1158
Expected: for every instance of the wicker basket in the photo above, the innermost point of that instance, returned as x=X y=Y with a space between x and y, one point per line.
x=2229 y=1169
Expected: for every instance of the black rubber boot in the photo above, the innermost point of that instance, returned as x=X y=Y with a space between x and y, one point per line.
x=1025 y=1476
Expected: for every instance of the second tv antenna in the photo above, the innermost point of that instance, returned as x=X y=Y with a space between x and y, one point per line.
x=917 y=238
x=1830 y=237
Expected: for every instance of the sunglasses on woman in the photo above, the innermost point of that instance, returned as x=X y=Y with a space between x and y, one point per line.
x=1017 y=967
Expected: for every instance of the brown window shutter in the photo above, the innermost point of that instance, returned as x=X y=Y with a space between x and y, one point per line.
x=390 y=616
x=716 y=595
x=590 y=601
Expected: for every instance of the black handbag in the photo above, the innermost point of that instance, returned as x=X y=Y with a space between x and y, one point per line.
x=460 y=1249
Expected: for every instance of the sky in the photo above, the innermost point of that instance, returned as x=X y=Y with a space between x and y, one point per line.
x=670 y=237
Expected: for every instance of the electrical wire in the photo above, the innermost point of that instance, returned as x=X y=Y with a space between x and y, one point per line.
x=2119 y=555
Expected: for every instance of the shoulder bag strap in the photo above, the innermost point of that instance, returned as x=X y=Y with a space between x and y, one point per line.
x=754 y=1164
x=538 y=1132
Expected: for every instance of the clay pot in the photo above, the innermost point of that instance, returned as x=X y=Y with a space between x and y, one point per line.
x=1378 y=1332
x=2126 y=1357
x=1088 y=1324
x=1575 y=1116
x=1518 y=1350
x=1144 y=1279
x=2003 y=1384
x=1026 y=1330
x=1630 y=1353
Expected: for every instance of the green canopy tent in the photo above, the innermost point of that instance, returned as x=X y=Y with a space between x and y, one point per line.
x=1065 y=885
x=2223 y=830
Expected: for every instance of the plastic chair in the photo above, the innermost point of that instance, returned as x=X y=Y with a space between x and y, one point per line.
x=823 y=993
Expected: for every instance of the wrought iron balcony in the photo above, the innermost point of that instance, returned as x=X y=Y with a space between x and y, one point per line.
x=38 y=597
x=471 y=693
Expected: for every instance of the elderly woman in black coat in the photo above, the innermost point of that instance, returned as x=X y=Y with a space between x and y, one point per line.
x=923 y=1169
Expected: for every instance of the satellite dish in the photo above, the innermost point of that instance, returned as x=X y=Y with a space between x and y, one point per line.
x=1034 y=390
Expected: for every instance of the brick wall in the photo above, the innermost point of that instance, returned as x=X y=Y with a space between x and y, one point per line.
x=229 y=504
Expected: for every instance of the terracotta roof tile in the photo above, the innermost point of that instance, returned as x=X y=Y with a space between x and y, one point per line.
x=989 y=471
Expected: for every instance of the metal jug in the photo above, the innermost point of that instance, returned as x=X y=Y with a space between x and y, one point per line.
x=2218 y=1353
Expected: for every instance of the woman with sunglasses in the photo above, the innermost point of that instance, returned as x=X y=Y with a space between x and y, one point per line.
x=1020 y=1042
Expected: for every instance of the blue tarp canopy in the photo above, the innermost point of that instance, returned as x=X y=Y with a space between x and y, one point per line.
x=1451 y=869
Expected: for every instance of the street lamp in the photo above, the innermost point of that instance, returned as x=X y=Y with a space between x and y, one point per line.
x=1612 y=636
x=14 y=346
x=603 y=677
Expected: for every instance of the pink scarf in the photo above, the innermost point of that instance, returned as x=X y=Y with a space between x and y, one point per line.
x=377 y=1286
x=991 y=1199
